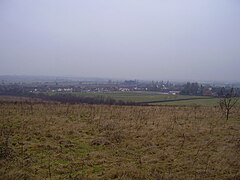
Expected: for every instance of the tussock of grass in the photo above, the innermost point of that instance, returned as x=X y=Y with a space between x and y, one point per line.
x=57 y=141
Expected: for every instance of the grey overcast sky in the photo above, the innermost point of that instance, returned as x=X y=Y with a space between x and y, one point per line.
x=133 y=39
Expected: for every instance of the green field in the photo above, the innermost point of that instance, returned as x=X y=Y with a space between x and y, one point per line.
x=137 y=96
x=202 y=102
x=153 y=96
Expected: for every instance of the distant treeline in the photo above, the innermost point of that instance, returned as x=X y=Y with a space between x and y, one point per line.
x=195 y=89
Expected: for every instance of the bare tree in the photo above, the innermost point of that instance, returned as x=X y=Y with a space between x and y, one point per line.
x=228 y=102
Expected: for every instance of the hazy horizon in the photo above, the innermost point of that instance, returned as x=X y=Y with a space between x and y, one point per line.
x=147 y=40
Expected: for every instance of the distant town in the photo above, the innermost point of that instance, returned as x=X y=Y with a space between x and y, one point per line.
x=13 y=85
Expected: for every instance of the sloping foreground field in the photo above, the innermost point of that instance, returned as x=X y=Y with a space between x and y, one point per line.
x=57 y=141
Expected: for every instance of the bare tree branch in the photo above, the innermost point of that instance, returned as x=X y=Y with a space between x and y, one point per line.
x=228 y=102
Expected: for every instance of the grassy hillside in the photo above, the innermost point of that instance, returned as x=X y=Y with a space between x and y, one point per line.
x=58 y=141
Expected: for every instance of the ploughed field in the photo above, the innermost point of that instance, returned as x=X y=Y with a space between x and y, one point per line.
x=59 y=141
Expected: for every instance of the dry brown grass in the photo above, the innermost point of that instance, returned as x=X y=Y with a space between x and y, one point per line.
x=56 y=141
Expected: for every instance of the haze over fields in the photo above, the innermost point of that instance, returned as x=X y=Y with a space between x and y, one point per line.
x=156 y=39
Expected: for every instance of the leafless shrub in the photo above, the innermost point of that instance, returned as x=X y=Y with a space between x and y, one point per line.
x=228 y=102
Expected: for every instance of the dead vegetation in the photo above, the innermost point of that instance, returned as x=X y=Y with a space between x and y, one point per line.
x=54 y=141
